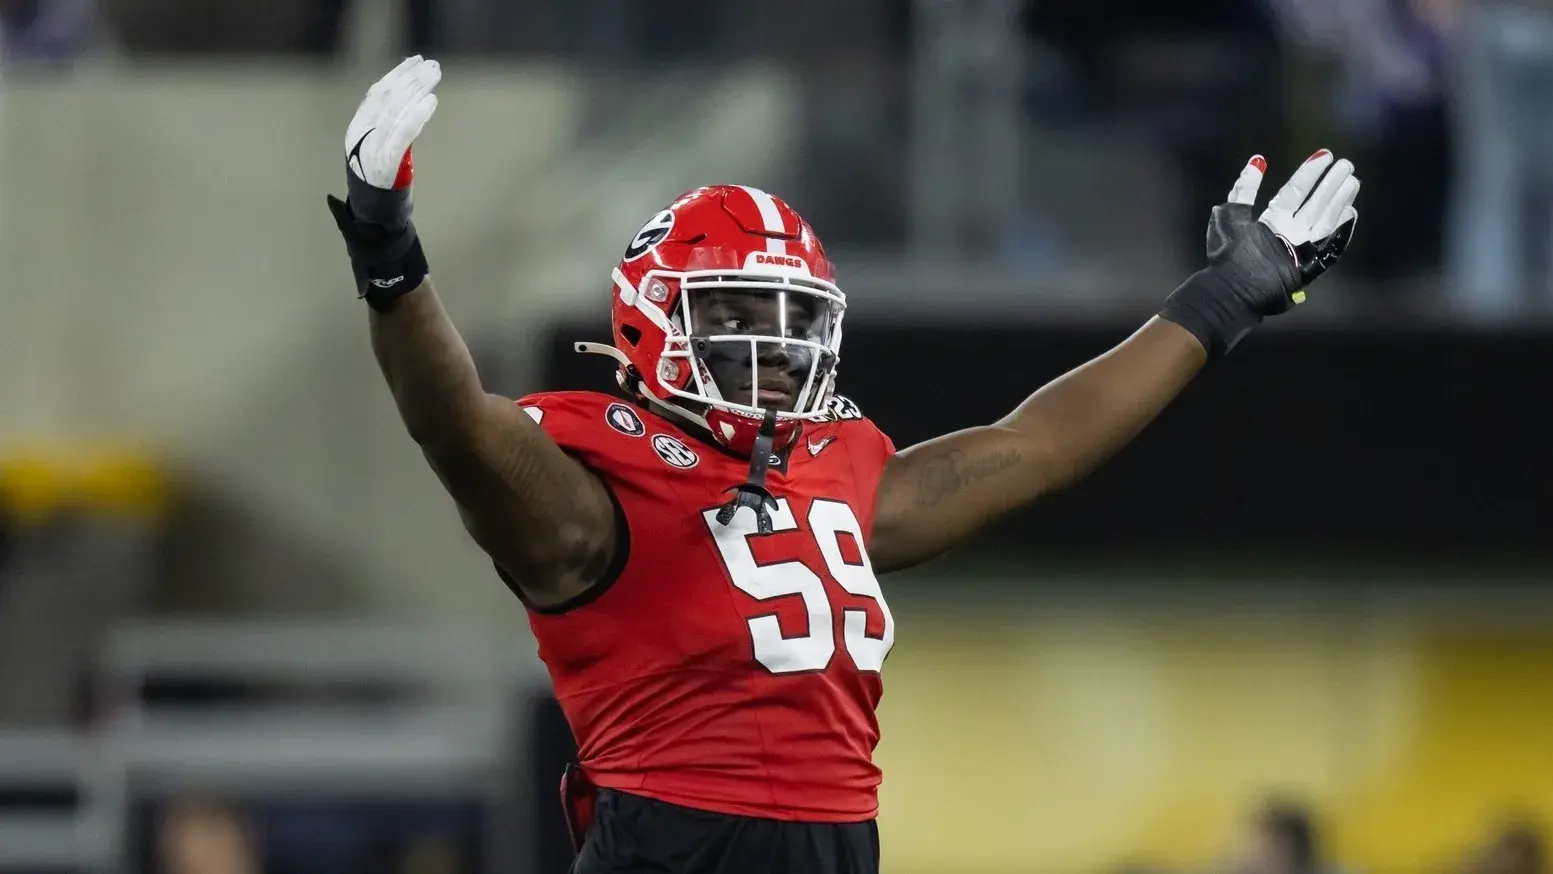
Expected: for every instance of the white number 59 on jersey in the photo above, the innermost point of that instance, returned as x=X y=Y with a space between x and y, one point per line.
x=812 y=651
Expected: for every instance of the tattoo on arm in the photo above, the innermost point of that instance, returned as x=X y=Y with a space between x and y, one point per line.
x=953 y=471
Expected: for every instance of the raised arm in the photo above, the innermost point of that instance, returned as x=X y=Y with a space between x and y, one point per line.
x=544 y=519
x=933 y=495
x=936 y=493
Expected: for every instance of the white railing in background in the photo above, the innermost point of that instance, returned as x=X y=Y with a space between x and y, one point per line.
x=448 y=726
x=455 y=732
x=43 y=840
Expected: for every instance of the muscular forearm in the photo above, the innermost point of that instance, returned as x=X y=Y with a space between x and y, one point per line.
x=935 y=494
x=541 y=516
x=546 y=520
x=1082 y=418
x=428 y=368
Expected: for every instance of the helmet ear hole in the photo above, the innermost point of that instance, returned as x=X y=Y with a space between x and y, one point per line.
x=631 y=334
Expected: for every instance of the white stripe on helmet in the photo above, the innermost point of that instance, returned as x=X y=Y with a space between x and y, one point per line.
x=771 y=216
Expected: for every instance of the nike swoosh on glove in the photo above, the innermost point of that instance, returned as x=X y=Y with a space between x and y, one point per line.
x=1261 y=267
x=379 y=161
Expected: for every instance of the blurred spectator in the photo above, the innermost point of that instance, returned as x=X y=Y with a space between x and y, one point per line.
x=1518 y=848
x=84 y=550
x=44 y=30
x=1503 y=210
x=430 y=854
x=1200 y=77
x=1390 y=58
x=205 y=836
x=1280 y=838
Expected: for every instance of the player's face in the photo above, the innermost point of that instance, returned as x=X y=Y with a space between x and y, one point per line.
x=767 y=373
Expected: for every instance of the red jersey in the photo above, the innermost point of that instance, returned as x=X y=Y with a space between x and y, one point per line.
x=723 y=670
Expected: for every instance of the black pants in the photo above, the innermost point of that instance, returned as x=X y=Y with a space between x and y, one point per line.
x=635 y=835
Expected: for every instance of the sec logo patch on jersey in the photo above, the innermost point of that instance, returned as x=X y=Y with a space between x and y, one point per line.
x=674 y=452
x=625 y=420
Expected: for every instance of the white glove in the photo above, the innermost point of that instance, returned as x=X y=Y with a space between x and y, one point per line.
x=1260 y=267
x=1296 y=219
x=385 y=250
x=389 y=119
x=1308 y=223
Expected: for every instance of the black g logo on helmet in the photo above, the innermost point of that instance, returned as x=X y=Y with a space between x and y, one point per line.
x=654 y=232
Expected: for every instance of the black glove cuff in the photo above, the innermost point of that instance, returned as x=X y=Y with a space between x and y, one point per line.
x=388 y=263
x=1206 y=305
x=388 y=207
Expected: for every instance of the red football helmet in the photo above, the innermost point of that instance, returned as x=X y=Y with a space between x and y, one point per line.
x=726 y=309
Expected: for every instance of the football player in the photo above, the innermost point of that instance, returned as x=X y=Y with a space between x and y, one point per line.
x=698 y=555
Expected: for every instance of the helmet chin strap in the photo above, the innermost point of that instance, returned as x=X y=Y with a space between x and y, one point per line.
x=753 y=493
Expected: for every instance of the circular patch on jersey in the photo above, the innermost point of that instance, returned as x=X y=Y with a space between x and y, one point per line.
x=625 y=420
x=654 y=232
x=674 y=452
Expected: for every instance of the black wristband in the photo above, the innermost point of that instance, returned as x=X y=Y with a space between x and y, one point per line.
x=1207 y=306
x=382 y=282
x=384 y=207
x=388 y=263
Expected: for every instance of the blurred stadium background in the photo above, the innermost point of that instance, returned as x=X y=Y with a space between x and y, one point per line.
x=241 y=630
